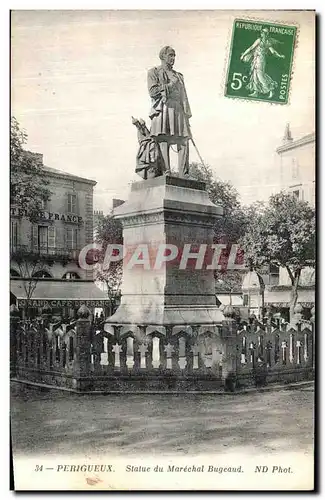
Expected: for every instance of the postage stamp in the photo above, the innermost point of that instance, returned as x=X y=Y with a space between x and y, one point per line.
x=260 y=61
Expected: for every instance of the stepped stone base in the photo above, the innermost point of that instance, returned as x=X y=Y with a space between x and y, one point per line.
x=163 y=211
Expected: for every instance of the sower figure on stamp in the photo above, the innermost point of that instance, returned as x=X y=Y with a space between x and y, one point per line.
x=260 y=82
x=170 y=111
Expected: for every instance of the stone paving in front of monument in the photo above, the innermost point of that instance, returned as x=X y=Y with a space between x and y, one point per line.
x=55 y=422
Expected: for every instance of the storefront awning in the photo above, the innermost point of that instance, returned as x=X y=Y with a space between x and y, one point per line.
x=59 y=293
x=281 y=298
x=236 y=300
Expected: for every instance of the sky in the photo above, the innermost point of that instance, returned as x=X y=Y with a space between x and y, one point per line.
x=77 y=77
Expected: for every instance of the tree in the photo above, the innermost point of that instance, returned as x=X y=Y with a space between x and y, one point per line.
x=109 y=231
x=32 y=268
x=28 y=183
x=229 y=228
x=229 y=281
x=282 y=234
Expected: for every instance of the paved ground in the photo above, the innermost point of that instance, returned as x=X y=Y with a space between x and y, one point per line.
x=54 y=422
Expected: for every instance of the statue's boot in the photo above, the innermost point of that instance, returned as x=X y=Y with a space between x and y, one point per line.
x=183 y=158
x=164 y=150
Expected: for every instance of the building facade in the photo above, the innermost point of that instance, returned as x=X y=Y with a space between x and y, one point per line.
x=297 y=165
x=297 y=168
x=45 y=255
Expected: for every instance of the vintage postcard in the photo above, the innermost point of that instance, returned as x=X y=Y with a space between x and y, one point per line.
x=162 y=250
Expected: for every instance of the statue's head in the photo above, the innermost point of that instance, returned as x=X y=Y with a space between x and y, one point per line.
x=167 y=55
x=264 y=33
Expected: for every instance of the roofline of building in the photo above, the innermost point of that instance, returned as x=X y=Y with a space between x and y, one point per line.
x=64 y=175
x=307 y=139
x=279 y=288
x=79 y=280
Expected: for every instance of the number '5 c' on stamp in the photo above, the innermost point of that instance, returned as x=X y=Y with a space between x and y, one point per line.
x=260 y=61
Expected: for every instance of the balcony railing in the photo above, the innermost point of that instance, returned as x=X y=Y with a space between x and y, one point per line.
x=45 y=251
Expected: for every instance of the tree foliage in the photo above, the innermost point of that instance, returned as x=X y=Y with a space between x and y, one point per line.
x=31 y=265
x=28 y=183
x=230 y=227
x=109 y=232
x=282 y=234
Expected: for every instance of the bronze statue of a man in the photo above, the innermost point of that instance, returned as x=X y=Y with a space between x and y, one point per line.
x=170 y=110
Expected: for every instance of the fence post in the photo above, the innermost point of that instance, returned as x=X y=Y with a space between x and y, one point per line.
x=297 y=316
x=46 y=315
x=229 y=341
x=14 y=320
x=82 y=347
x=313 y=326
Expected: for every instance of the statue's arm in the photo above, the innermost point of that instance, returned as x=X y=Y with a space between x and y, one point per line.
x=275 y=53
x=252 y=47
x=186 y=104
x=154 y=86
x=156 y=89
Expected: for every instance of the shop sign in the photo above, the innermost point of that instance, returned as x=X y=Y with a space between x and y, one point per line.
x=50 y=216
x=61 y=303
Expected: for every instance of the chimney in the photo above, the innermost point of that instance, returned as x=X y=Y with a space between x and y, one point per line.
x=287 y=135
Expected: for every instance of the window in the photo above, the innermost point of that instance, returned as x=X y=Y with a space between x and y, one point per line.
x=44 y=204
x=14 y=235
x=71 y=237
x=295 y=194
x=274 y=275
x=71 y=276
x=42 y=239
x=245 y=300
x=42 y=274
x=274 y=269
x=295 y=169
x=72 y=203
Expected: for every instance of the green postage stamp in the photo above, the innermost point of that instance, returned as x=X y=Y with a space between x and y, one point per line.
x=260 y=61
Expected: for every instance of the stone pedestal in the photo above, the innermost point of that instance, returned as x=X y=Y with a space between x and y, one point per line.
x=167 y=211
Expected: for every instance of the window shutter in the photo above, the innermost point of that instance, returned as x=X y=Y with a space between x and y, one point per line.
x=77 y=204
x=43 y=238
x=75 y=236
x=72 y=203
x=59 y=237
x=51 y=236
x=68 y=237
x=34 y=236
x=14 y=234
x=66 y=202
